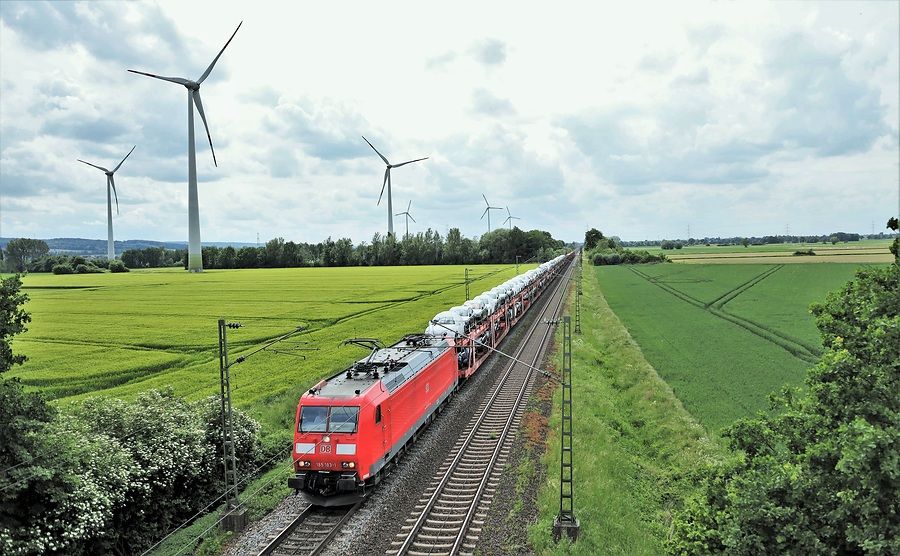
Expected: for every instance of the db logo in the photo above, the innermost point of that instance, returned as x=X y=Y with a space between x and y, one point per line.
x=325 y=449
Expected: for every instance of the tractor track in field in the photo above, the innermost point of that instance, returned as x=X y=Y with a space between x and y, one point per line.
x=799 y=349
x=723 y=299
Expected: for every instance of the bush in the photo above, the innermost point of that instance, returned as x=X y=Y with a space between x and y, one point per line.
x=117 y=266
x=603 y=257
x=64 y=268
x=109 y=476
x=87 y=269
x=807 y=253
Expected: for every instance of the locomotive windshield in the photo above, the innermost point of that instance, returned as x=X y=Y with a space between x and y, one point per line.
x=328 y=419
x=343 y=419
x=313 y=419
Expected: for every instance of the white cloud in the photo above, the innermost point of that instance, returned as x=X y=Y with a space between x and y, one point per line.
x=732 y=118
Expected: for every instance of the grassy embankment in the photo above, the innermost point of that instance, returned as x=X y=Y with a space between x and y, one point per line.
x=633 y=441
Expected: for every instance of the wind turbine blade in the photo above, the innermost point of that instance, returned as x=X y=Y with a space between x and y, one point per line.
x=485 y=200
x=376 y=150
x=112 y=182
x=199 y=104
x=178 y=80
x=411 y=218
x=485 y=212
x=400 y=214
x=507 y=211
x=409 y=162
x=123 y=160
x=216 y=59
x=409 y=205
x=94 y=165
x=384 y=184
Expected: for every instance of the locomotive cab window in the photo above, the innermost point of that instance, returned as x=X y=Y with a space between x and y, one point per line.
x=313 y=419
x=343 y=419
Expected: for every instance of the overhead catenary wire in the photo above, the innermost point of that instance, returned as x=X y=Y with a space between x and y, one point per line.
x=314 y=447
x=316 y=444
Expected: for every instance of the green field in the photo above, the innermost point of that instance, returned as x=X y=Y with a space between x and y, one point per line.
x=723 y=336
x=118 y=334
x=863 y=251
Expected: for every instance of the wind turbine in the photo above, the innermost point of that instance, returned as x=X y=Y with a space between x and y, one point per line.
x=387 y=182
x=408 y=217
x=487 y=211
x=195 y=254
x=110 y=184
x=510 y=217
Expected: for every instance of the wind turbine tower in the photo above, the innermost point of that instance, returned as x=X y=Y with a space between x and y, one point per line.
x=195 y=254
x=487 y=211
x=110 y=185
x=408 y=217
x=387 y=183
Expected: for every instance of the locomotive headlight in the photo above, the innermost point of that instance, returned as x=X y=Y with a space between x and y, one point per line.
x=326 y=439
x=348 y=464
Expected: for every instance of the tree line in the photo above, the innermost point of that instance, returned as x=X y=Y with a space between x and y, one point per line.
x=423 y=248
x=834 y=237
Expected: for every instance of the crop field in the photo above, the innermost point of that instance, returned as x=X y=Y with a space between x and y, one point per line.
x=723 y=336
x=119 y=334
x=859 y=252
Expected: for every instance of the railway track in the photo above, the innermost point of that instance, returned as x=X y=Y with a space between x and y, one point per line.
x=451 y=512
x=309 y=532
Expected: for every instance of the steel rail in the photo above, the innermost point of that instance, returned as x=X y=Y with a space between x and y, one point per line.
x=310 y=512
x=467 y=443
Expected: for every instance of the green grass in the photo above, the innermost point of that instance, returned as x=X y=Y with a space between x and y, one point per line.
x=120 y=334
x=633 y=443
x=723 y=336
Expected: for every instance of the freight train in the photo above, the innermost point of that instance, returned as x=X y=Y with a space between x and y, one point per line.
x=351 y=428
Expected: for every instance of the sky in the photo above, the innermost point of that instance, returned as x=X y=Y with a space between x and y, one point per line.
x=642 y=119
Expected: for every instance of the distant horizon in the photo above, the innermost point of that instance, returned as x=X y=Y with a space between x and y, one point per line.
x=886 y=232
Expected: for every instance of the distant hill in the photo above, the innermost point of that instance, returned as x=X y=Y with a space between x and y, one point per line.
x=81 y=246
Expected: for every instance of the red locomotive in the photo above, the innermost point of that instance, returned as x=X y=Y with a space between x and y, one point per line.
x=350 y=428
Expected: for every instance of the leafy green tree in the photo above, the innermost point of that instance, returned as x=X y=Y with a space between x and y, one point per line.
x=22 y=251
x=591 y=238
x=227 y=257
x=821 y=475
x=13 y=320
x=246 y=258
x=894 y=224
